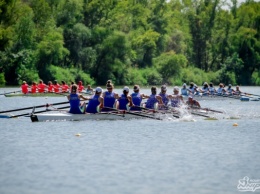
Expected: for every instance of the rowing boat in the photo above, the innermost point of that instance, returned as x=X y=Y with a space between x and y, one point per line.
x=65 y=116
x=45 y=94
x=221 y=97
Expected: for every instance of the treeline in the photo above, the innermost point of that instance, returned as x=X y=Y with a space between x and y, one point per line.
x=130 y=41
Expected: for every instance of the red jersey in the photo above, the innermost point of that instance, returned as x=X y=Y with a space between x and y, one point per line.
x=56 y=88
x=50 y=88
x=41 y=88
x=64 y=88
x=25 y=88
x=80 y=88
x=33 y=89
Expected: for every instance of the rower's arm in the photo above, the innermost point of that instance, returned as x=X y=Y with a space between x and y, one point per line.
x=130 y=101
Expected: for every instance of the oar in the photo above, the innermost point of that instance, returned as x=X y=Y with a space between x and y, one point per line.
x=250 y=94
x=40 y=106
x=208 y=109
x=198 y=114
x=27 y=114
x=133 y=113
x=10 y=92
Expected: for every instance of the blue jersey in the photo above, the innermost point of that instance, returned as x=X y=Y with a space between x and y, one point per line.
x=184 y=91
x=75 y=104
x=165 y=99
x=175 y=102
x=151 y=101
x=123 y=101
x=109 y=99
x=93 y=104
x=137 y=99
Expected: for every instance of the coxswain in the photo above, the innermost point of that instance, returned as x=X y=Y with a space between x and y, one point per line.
x=56 y=86
x=50 y=87
x=34 y=88
x=41 y=87
x=184 y=90
x=74 y=99
x=25 y=87
x=96 y=102
x=176 y=98
x=64 y=87
x=125 y=100
x=80 y=86
x=109 y=97
x=192 y=103
x=137 y=98
x=154 y=99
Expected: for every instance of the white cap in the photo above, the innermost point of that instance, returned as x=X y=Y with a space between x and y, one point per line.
x=190 y=97
x=184 y=84
x=176 y=88
x=229 y=85
x=164 y=88
x=126 y=89
x=205 y=83
x=99 y=89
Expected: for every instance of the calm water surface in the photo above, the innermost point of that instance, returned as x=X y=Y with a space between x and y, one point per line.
x=190 y=155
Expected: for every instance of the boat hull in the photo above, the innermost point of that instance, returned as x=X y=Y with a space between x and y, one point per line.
x=60 y=116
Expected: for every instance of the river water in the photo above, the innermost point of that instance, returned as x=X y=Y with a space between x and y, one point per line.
x=190 y=155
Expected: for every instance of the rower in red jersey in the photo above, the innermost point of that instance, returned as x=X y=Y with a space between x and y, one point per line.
x=41 y=87
x=64 y=87
x=50 y=87
x=80 y=86
x=25 y=87
x=34 y=88
x=56 y=86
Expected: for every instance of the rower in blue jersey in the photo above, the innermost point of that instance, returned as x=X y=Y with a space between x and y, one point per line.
x=205 y=89
x=221 y=90
x=165 y=97
x=137 y=98
x=74 y=98
x=153 y=99
x=184 y=90
x=212 y=89
x=109 y=97
x=125 y=100
x=96 y=102
x=192 y=89
x=176 y=98
x=229 y=90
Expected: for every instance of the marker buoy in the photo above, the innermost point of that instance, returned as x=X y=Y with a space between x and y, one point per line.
x=78 y=134
x=235 y=124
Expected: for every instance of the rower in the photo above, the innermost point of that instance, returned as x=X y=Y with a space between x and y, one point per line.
x=89 y=90
x=24 y=87
x=165 y=97
x=125 y=100
x=205 y=89
x=237 y=91
x=109 y=97
x=192 y=103
x=184 y=90
x=192 y=89
x=50 y=87
x=56 y=86
x=137 y=98
x=34 y=88
x=96 y=102
x=64 y=87
x=221 y=90
x=153 y=99
x=176 y=98
x=80 y=86
x=229 y=90
x=212 y=89
x=41 y=87
x=74 y=98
